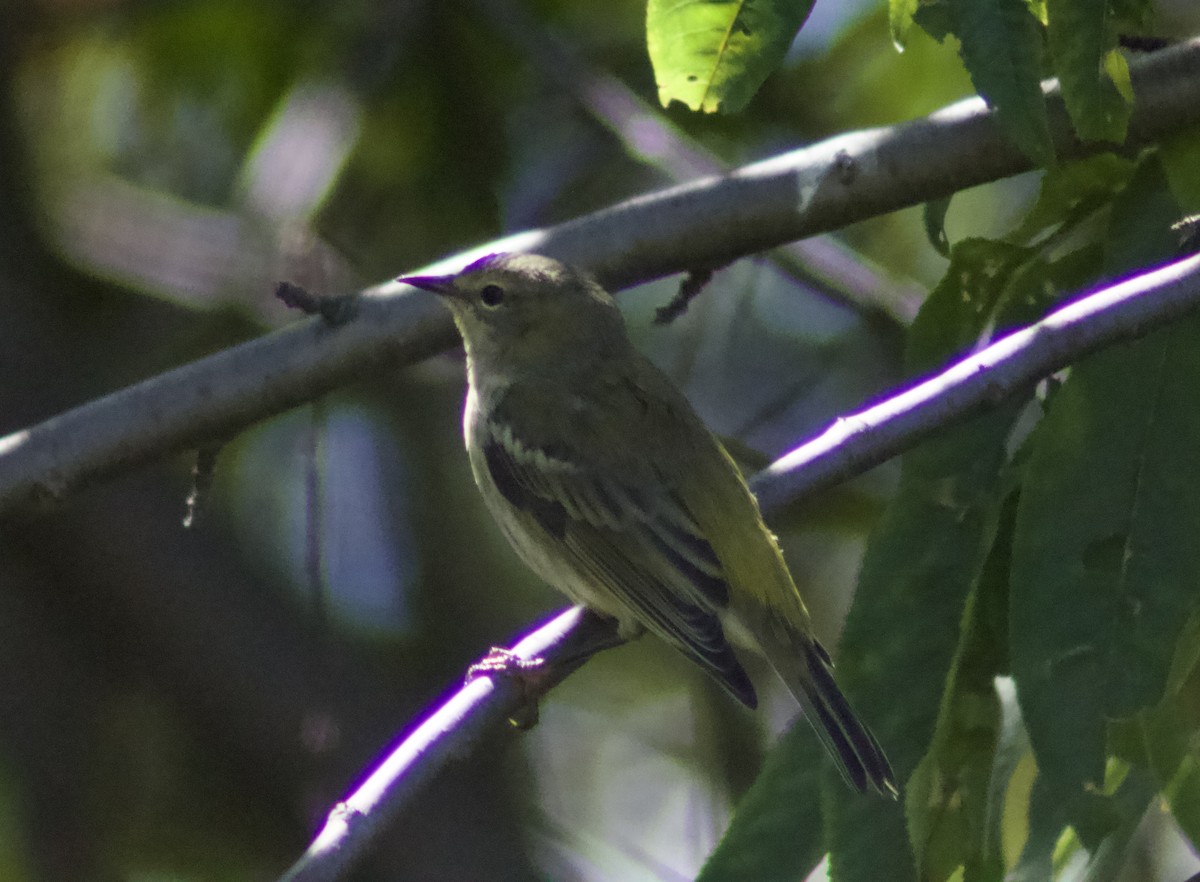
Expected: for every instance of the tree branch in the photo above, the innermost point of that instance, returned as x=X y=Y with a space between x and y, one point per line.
x=450 y=731
x=708 y=222
x=1126 y=310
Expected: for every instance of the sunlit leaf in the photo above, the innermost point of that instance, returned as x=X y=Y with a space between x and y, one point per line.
x=712 y=55
x=900 y=20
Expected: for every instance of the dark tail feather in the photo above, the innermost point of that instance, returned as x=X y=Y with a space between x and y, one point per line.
x=806 y=669
x=854 y=749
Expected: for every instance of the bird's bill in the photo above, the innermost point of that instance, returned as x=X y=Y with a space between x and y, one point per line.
x=443 y=285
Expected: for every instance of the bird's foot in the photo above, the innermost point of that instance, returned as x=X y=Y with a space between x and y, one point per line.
x=530 y=675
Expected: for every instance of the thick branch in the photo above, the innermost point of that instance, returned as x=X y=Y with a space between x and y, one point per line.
x=705 y=223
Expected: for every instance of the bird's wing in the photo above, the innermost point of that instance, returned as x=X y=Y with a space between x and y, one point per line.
x=624 y=532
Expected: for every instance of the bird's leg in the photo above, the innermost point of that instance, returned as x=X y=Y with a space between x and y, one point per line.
x=537 y=675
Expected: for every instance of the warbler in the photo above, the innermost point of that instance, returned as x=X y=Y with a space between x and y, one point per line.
x=612 y=489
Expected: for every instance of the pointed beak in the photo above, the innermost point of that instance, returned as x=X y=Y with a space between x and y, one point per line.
x=440 y=285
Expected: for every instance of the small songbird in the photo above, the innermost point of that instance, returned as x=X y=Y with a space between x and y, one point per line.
x=611 y=488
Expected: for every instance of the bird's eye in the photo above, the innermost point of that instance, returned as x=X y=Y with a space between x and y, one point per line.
x=491 y=295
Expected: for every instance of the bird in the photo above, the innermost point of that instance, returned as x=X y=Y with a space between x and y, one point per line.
x=612 y=489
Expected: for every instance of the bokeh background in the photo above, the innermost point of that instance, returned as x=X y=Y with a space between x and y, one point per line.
x=186 y=704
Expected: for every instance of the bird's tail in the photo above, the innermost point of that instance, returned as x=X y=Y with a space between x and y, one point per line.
x=807 y=670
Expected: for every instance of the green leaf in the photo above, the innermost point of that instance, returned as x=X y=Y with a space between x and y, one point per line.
x=712 y=55
x=936 y=18
x=1180 y=157
x=1071 y=192
x=1105 y=561
x=1045 y=824
x=1126 y=807
x=948 y=798
x=1013 y=774
x=777 y=830
x=1168 y=732
x=1139 y=231
x=1002 y=48
x=1083 y=47
x=1162 y=739
x=923 y=559
x=900 y=20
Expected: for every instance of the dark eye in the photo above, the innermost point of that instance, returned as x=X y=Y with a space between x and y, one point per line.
x=491 y=295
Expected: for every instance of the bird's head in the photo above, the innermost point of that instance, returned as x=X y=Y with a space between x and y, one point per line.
x=527 y=312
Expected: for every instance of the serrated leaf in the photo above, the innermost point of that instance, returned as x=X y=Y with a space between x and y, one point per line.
x=712 y=55
x=1001 y=48
x=1105 y=560
x=777 y=831
x=1080 y=43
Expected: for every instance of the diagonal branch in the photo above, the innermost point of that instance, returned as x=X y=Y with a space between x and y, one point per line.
x=480 y=706
x=705 y=223
x=1123 y=311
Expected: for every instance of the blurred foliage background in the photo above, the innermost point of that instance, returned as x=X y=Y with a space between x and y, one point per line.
x=187 y=704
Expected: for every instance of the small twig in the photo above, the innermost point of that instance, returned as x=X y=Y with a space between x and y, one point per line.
x=335 y=310
x=202 y=479
x=691 y=286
